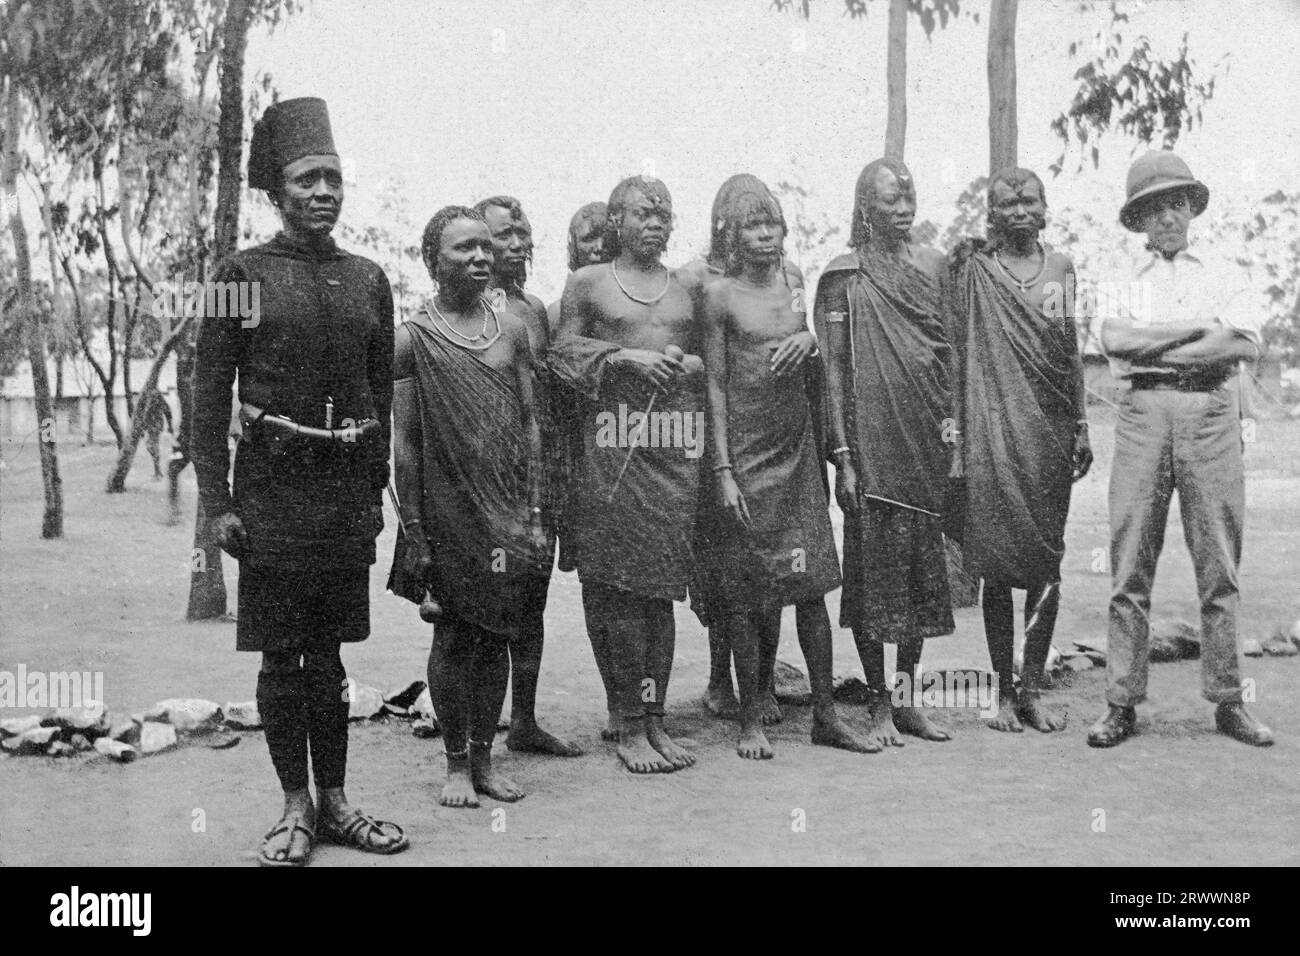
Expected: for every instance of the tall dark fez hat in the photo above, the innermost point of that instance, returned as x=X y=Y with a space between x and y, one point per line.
x=288 y=130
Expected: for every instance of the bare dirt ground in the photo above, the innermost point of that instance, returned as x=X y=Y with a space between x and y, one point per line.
x=111 y=597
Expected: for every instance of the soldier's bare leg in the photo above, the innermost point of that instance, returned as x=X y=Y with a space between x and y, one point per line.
x=280 y=704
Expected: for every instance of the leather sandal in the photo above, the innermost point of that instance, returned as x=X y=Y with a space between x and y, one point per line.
x=284 y=826
x=355 y=832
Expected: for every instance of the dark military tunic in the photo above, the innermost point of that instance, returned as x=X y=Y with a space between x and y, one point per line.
x=323 y=332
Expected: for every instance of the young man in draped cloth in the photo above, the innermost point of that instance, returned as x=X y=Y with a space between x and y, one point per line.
x=468 y=457
x=775 y=546
x=888 y=376
x=586 y=248
x=314 y=367
x=1023 y=433
x=793 y=352
x=512 y=245
x=626 y=328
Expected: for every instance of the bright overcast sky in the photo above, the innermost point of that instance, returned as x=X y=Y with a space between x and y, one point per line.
x=555 y=100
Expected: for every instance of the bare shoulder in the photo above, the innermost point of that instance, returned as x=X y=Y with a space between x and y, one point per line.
x=694 y=276
x=717 y=294
x=512 y=325
x=536 y=304
x=1059 y=261
x=585 y=279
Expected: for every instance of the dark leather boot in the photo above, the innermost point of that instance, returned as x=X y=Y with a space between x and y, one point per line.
x=1114 y=728
x=1233 y=719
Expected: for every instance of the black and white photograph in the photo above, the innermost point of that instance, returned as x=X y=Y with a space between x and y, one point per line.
x=682 y=433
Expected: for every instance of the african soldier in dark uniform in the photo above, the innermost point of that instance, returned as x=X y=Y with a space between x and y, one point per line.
x=315 y=385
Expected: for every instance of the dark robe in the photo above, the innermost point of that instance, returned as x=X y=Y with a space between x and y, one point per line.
x=1018 y=380
x=324 y=331
x=898 y=364
x=788 y=555
x=474 y=507
x=634 y=533
x=898 y=413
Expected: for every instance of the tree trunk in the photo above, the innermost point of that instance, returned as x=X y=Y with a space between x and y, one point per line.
x=230 y=129
x=52 y=519
x=1002 y=85
x=181 y=447
x=896 y=81
x=140 y=416
x=207 y=582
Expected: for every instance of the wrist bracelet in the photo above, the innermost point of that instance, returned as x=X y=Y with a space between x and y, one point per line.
x=726 y=466
x=842 y=448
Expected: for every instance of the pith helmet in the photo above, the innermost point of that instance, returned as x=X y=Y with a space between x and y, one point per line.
x=1154 y=172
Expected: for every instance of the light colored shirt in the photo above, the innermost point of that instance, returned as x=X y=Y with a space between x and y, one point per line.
x=1160 y=291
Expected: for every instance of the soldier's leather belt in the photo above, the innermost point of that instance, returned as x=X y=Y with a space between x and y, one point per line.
x=1177 y=381
x=278 y=427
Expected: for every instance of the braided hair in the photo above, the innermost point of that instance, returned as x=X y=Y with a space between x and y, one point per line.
x=864 y=192
x=746 y=201
x=431 y=241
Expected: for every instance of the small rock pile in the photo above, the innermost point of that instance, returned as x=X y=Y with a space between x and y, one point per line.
x=68 y=731
x=1180 y=641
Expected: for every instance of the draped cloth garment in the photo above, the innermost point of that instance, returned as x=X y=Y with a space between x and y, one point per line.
x=474 y=505
x=1020 y=421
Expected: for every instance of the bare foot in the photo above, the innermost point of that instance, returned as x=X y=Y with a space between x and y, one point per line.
x=487 y=781
x=1006 y=719
x=831 y=731
x=721 y=702
x=610 y=730
x=881 y=729
x=529 y=738
x=459 y=790
x=770 y=711
x=676 y=755
x=753 y=743
x=638 y=756
x=1032 y=712
x=912 y=720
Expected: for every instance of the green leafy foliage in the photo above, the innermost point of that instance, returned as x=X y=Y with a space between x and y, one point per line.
x=1128 y=89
